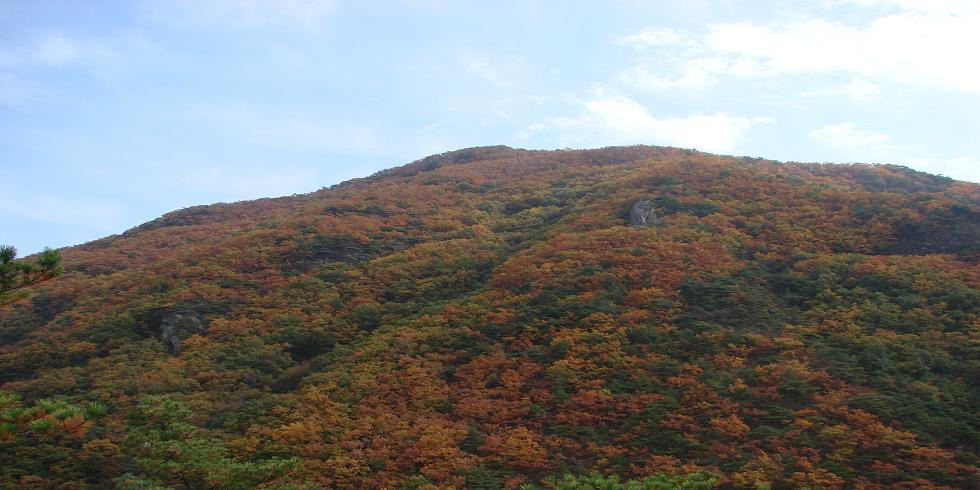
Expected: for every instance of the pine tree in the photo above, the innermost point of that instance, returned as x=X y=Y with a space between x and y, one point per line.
x=18 y=274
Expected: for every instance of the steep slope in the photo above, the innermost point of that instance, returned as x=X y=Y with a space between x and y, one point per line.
x=488 y=317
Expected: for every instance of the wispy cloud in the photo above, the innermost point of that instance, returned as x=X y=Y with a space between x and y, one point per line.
x=54 y=50
x=650 y=36
x=620 y=120
x=920 y=43
x=280 y=129
x=858 y=90
x=854 y=143
x=691 y=74
x=928 y=6
x=848 y=136
x=243 y=13
x=499 y=71
x=930 y=49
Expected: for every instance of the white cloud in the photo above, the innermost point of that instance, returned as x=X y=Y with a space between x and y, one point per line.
x=858 y=90
x=912 y=47
x=861 y=90
x=848 y=136
x=927 y=43
x=620 y=120
x=644 y=77
x=694 y=74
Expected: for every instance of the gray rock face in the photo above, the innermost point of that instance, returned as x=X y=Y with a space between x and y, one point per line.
x=175 y=326
x=643 y=214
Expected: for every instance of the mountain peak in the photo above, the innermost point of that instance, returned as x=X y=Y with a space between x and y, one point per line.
x=494 y=316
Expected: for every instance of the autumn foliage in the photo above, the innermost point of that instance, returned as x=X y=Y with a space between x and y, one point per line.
x=488 y=318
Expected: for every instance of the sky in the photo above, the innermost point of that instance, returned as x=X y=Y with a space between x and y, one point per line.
x=115 y=112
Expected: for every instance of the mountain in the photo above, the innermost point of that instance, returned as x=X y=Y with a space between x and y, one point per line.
x=491 y=317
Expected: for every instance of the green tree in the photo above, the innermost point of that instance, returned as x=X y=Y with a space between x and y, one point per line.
x=46 y=419
x=660 y=481
x=45 y=434
x=18 y=274
x=173 y=453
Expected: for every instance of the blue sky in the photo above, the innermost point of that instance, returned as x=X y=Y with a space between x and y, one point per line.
x=115 y=112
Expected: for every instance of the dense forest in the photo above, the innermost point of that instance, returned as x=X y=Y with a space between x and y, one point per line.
x=498 y=318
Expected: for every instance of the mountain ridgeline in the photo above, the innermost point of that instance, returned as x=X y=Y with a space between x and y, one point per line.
x=498 y=318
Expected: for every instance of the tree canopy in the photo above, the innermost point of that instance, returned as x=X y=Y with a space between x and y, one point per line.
x=489 y=318
x=18 y=274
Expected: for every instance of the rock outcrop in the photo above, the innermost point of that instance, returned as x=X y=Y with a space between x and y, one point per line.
x=177 y=326
x=643 y=214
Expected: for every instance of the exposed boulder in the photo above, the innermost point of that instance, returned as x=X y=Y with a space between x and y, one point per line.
x=643 y=213
x=177 y=326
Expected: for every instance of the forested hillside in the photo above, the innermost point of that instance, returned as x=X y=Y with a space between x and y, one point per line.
x=491 y=318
